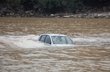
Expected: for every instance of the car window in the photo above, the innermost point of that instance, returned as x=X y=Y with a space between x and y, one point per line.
x=61 y=40
x=48 y=40
x=42 y=39
x=69 y=40
x=39 y=38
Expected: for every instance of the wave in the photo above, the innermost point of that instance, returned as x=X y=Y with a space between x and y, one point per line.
x=31 y=41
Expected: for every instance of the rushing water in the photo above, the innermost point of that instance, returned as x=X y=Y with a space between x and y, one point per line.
x=21 y=52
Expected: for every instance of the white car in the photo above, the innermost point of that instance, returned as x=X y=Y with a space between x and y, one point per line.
x=56 y=40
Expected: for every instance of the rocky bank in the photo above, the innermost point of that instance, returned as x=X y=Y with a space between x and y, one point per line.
x=86 y=12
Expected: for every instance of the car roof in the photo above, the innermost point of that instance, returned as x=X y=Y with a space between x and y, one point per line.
x=54 y=34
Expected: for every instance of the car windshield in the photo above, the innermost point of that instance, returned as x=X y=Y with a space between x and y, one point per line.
x=61 y=40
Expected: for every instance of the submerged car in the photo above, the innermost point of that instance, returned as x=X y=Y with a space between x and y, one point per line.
x=56 y=39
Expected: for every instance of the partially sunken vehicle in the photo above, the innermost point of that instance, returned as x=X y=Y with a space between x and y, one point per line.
x=56 y=39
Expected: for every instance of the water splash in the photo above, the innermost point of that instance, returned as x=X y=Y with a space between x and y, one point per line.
x=31 y=41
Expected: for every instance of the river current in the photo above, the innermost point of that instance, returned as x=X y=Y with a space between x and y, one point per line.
x=20 y=50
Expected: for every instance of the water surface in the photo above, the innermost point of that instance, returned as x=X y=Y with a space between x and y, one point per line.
x=21 y=52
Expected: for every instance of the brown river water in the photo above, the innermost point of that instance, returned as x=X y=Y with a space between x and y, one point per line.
x=21 y=52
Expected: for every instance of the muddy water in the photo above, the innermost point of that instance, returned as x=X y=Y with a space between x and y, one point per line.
x=21 y=52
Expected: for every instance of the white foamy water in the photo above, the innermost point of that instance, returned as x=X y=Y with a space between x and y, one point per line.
x=36 y=56
x=31 y=41
x=92 y=39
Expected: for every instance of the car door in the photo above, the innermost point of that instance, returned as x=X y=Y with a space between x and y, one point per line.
x=42 y=38
x=47 y=39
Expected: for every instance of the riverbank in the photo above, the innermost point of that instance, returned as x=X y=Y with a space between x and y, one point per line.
x=86 y=12
x=29 y=14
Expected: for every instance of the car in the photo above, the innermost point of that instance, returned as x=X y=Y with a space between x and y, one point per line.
x=56 y=39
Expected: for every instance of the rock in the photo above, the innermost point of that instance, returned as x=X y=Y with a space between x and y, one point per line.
x=109 y=14
x=57 y=16
x=11 y=14
x=27 y=12
x=52 y=15
x=31 y=14
x=72 y=16
x=67 y=16
x=99 y=15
